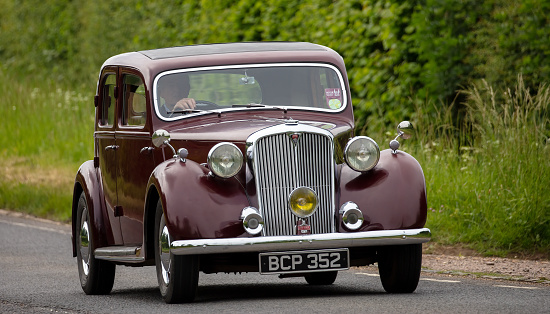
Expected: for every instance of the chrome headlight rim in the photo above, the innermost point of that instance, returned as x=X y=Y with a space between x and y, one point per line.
x=347 y=153
x=211 y=160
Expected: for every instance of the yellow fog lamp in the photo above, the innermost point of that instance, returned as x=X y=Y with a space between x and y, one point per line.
x=303 y=202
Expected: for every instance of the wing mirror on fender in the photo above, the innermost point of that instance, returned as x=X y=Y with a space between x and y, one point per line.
x=161 y=138
x=405 y=130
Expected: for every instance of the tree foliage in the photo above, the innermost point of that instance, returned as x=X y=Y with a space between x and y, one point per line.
x=398 y=53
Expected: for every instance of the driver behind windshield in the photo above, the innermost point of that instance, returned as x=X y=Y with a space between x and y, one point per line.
x=174 y=93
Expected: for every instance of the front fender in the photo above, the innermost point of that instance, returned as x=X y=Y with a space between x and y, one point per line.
x=196 y=204
x=391 y=196
x=88 y=181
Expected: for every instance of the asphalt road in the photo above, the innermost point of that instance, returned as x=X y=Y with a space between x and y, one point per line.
x=38 y=274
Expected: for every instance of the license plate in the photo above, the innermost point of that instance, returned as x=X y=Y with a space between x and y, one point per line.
x=304 y=261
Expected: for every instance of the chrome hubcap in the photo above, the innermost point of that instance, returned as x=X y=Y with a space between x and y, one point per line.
x=164 y=247
x=85 y=242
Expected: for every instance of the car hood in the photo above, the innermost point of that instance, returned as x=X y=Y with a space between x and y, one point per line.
x=238 y=130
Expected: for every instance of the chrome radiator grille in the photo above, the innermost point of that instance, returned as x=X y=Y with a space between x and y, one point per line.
x=281 y=165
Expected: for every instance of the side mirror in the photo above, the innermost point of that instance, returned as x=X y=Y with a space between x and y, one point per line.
x=405 y=130
x=161 y=138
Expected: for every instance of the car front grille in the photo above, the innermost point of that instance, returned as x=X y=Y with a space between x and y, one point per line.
x=282 y=165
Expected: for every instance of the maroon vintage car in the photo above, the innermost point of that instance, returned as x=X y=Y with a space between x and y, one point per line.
x=241 y=157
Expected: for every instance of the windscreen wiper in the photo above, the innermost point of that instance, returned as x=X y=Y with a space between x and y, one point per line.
x=251 y=105
x=170 y=113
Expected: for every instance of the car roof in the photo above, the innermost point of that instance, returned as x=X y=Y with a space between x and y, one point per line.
x=152 y=62
x=198 y=50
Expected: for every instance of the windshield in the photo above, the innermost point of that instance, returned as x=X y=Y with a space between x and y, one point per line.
x=299 y=86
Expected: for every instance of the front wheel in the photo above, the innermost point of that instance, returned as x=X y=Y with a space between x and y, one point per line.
x=96 y=276
x=177 y=275
x=399 y=267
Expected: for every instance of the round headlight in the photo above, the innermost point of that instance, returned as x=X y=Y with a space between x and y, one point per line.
x=303 y=202
x=225 y=160
x=362 y=153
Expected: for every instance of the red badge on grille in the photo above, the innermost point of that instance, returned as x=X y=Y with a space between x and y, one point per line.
x=295 y=137
x=302 y=227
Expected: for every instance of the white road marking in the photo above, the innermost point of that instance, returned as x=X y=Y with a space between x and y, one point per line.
x=440 y=280
x=35 y=227
x=425 y=279
x=516 y=287
x=367 y=274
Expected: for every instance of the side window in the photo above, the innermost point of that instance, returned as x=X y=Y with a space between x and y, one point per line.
x=134 y=110
x=109 y=102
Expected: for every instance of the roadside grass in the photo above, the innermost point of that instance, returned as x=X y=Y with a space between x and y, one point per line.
x=46 y=135
x=487 y=180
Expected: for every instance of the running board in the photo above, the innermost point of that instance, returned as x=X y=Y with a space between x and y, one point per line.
x=129 y=254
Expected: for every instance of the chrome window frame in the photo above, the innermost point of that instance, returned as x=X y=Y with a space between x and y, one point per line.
x=253 y=65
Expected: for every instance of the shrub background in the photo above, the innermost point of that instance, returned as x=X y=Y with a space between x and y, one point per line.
x=472 y=76
x=398 y=53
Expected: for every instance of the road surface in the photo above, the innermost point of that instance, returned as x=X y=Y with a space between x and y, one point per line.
x=38 y=274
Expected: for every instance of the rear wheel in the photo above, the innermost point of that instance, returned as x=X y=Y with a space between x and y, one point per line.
x=323 y=278
x=178 y=275
x=399 y=267
x=96 y=276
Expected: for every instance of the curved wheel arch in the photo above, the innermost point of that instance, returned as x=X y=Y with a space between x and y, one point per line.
x=149 y=237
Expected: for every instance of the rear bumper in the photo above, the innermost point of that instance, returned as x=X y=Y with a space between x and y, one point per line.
x=305 y=242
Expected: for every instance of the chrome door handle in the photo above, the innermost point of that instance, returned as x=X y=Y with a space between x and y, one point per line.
x=146 y=150
x=112 y=147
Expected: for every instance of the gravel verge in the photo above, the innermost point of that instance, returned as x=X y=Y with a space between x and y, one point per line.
x=537 y=271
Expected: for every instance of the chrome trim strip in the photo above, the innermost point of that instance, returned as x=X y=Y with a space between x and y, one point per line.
x=128 y=254
x=116 y=251
x=245 y=66
x=305 y=242
x=124 y=259
x=286 y=128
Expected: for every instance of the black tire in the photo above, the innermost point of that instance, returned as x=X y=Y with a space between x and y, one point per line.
x=399 y=267
x=96 y=276
x=321 y=279
x=177 y=275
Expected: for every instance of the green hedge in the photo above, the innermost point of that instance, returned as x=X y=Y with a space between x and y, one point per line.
x=399 y=53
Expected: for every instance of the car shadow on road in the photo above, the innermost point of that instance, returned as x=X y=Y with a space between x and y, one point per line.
x=248 y=291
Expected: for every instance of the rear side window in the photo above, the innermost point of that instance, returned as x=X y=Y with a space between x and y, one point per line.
x=108 y=103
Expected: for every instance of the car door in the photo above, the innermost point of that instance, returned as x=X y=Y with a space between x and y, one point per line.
x=135 y=161
x=106 y=148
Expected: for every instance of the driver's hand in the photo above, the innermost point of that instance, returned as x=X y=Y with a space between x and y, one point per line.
x=185 y=104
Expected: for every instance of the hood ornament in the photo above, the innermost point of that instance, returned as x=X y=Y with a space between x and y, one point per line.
x=291 y=121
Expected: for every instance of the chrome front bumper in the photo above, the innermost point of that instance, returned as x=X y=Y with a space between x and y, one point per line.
x=305 y=242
